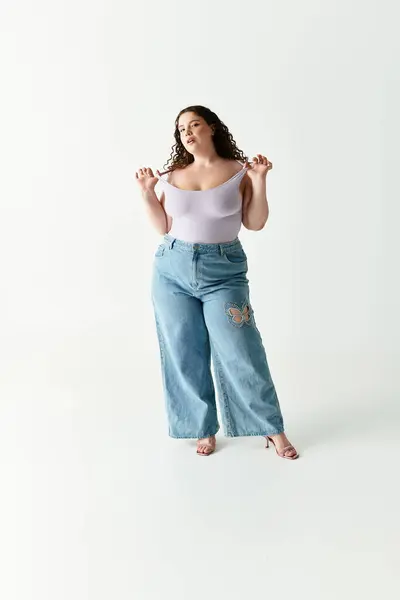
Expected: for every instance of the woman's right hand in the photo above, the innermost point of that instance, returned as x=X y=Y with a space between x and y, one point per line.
x=146 y=179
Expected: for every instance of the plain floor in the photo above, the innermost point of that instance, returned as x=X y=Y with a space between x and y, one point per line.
x=97 y=502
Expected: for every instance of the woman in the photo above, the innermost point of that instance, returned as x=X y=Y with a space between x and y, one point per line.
x=200 y=291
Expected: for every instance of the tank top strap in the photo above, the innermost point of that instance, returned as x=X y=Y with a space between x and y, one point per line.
x=244 y=168
x=242 y=171
x=161 y=176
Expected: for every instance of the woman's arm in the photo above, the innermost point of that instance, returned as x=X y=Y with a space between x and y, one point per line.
x=156 y=212
x=255 y=209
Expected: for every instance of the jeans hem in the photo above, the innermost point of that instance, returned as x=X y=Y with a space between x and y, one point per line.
x=255 y=433
x=192 y=437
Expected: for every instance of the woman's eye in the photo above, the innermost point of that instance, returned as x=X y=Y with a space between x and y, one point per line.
x=195 y=125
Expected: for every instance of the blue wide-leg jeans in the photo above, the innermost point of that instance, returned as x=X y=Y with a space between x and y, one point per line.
x=200 y=295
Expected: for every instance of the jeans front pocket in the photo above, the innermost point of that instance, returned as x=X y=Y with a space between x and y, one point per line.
x=235 y=255
x=160 y=251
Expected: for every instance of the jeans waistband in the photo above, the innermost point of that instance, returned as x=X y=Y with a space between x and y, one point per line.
x=201 y=248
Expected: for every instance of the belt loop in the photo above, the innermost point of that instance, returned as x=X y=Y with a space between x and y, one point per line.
x=221 y=249
x=171 y=243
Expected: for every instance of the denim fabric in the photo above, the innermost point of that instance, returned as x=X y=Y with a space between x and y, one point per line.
x=202 y=309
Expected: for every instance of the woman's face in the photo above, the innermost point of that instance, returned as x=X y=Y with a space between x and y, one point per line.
x=195 y=132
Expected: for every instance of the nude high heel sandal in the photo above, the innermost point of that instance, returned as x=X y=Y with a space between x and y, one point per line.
x=210 y=448
x=285 y=449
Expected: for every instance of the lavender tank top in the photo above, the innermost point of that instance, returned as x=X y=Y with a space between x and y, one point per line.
x=205 y=216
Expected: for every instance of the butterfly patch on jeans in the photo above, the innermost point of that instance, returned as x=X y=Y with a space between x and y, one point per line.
x=239 y=315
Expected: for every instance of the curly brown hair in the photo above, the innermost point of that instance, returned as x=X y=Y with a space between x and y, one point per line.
x=224 y=143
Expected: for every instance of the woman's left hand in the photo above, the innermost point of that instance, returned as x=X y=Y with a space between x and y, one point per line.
x=260 y=166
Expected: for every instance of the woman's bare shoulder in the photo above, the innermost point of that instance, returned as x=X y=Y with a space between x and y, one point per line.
x=170 y=176
x=235 y=164
x=173 y=176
